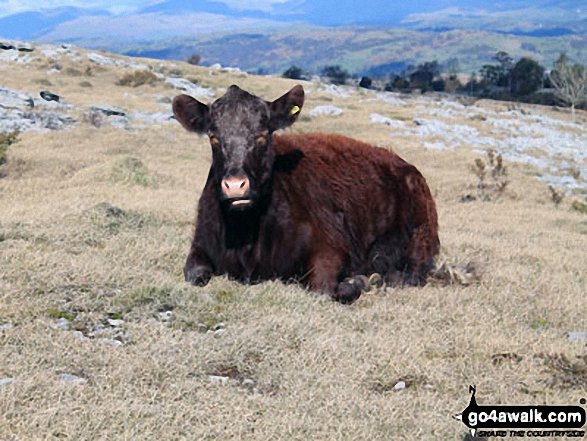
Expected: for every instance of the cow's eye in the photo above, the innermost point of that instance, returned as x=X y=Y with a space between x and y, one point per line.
x=262 y=139
x=213 y=139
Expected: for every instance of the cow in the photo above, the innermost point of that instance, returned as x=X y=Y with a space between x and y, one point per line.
x=323 y=210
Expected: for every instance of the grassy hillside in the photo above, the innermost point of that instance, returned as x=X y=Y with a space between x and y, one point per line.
x=101 y=338
x=361 y=50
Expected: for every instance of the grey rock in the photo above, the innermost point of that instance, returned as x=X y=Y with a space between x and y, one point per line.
x=217 y=380
x=166 y=316
x=326 y=111
x=577 y=336
x=400 y=385
x=70 y=378
x=103 y=60
x=5 y=381
x=62 y=323
x=380 y=119
x=6 y=327
x=190 y=88
x=112 y=342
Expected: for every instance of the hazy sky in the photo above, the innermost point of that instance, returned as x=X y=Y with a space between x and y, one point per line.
x=319 y=12
x=8 y=7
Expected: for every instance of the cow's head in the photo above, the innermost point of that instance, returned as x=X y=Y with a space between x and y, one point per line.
x=240 y=128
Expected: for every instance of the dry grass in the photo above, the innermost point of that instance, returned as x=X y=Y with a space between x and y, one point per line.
x=96 y=227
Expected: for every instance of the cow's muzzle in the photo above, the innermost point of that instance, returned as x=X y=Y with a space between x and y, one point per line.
x=236 y=189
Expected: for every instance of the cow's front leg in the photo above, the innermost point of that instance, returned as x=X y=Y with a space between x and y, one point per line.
x=198 y=269
x=325 y=269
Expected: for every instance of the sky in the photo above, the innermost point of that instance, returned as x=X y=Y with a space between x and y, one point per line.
x=274 y=7
x=66 y=20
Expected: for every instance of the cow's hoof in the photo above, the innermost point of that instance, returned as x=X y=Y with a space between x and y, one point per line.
x=197 y=276
x=350 y=290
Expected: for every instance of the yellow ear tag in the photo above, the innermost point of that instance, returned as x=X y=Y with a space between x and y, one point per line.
x=294 y=110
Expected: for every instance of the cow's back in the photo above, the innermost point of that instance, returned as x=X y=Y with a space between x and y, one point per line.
x=353 y=194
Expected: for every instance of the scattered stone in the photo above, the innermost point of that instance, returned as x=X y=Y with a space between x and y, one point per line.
x=380 y=119
x=190 y=88
x=247 y=382
x=577 y=336
x=63 y=324
x=218 y=66
x=5 y=381
x=390 y=99
x=154 y=118
x=6 y=327
x=334 y=90
x=115 y=322
x=217 y=380
x=80 y=335
x=400 y=385
x=70 y=378
x=112 y=342
x=107 y=61
x=12 y=99
x=166 y=316
x=326 y=110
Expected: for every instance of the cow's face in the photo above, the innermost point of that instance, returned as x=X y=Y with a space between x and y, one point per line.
x=240 y=127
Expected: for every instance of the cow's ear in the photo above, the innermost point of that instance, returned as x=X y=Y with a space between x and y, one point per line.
x=191 y=113
x=285 y=110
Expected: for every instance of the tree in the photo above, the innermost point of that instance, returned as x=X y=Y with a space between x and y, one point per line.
x=336 y=74
x=490 y=74
x=569 y=81
x=506 y=64
x=294 y=73
x=527 y=77
x=423 y=75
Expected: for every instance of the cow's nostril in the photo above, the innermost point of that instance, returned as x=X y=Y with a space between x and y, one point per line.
x=243 y=184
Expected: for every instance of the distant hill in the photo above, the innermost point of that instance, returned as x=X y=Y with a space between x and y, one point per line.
x=268 y=36
x=361 y=50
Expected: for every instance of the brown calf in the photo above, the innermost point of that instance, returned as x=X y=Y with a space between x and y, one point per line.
x=316 y=208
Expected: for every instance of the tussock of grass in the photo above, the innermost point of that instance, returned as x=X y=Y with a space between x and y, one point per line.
x=132 y=171
x=138 y=78
x=579 y=206
x=6 y=140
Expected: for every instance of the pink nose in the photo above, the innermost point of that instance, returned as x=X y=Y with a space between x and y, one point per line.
x=235 y=187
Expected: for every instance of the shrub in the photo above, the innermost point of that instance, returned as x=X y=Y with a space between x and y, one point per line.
x=492 y=188
x=138 y=78
x=73 y=72
x=132 y=171
x=6 y=140
x=366 y=82
x=579 y=206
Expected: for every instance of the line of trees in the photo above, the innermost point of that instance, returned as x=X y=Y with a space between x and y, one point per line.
x=506 y=79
